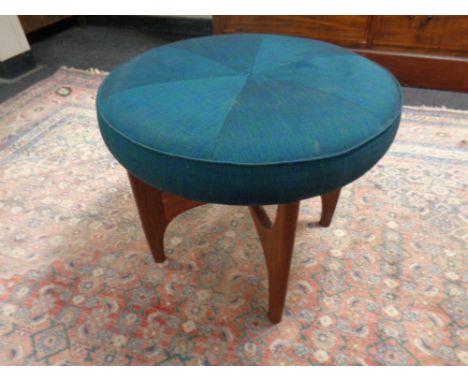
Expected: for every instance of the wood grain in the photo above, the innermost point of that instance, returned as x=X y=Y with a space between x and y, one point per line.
x=437 y=35
x=329 y=202
x=278 y=243
x=156 y=209
x=345 y=30
x=33 y=23
x=153 y=218
x=423 y=71
x=175 y=205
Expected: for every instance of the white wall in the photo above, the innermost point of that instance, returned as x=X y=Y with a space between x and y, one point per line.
x=12 y=38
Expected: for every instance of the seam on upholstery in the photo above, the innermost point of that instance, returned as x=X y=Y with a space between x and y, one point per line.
x=120 y=91
x=218 y=62
x=108 y=98
x=390 y=74
x=367 y=110
x=234 y=73
x=223 y=125
x=209 y=59
x=175 y=45
x=286 y=162
x=309 y=60
x=262 y=41
x=142 y=145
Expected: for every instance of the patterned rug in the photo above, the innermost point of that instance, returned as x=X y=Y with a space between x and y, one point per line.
x=386 y=284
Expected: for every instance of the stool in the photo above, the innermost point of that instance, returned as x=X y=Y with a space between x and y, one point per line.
x=247 y=119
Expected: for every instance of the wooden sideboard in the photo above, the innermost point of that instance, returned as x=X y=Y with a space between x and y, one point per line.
x=34 y=23
x=422 y=51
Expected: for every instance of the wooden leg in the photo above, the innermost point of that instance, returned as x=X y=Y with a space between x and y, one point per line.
x=329 y=202
x=150 y=207
x=156 y=209
x=278 y=243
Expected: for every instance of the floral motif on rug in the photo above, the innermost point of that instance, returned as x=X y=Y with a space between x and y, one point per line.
x=386 y=284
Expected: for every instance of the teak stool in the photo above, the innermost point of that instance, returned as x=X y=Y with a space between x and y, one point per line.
x=247 y=119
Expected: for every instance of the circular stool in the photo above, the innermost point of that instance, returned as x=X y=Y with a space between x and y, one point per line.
x=247 y=119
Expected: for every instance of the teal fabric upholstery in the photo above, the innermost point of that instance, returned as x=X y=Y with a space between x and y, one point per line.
x=249 y=118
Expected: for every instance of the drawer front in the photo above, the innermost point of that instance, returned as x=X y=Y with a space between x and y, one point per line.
x=343 y=30
x=425 y=34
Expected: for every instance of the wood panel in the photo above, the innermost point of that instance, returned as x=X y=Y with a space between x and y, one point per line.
x=33 y=23
x=424 y=34
x=423 y=71
x=344 y=30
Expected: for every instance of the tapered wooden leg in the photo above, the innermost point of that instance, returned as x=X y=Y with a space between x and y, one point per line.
x=156 y=209
x=278 y=243
x=149 y=202
x=329 y=202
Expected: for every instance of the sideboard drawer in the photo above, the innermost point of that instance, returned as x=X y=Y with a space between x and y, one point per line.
x=425 y=34
x=343 y=30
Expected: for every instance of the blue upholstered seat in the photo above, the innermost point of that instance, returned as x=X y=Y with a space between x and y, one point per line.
x=249 y=118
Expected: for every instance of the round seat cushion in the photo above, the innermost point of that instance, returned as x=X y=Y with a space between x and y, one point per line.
x=248 y=118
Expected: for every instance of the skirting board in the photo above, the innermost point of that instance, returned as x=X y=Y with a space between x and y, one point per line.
x=17 y=66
